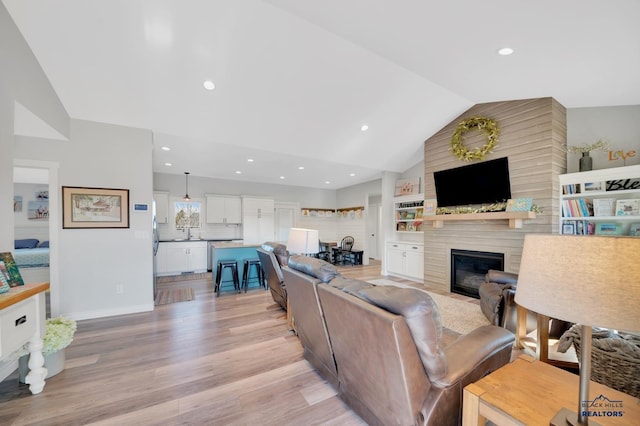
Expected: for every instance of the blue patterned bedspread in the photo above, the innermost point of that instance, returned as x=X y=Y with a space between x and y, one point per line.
x=32 y=258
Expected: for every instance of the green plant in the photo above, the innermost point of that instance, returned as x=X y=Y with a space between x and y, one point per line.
x=599 y=145
x=58 y=335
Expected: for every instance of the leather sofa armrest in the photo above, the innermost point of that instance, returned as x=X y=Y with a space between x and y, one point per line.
x=474 y=351
x=501 y=277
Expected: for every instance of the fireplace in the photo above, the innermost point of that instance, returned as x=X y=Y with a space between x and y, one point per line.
x=468 y=269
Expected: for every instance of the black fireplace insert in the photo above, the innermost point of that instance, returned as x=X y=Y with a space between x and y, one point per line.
x=468 y=269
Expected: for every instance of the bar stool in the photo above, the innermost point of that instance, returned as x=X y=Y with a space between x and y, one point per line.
x=227 y=264
x=246 y=274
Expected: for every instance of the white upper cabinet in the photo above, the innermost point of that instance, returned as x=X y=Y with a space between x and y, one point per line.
x=224 y=209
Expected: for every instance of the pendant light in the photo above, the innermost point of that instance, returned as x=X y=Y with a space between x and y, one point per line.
x=186 y=195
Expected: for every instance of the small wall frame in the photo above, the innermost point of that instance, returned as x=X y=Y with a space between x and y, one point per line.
x=85 y=208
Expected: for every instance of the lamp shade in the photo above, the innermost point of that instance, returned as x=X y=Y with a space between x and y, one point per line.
x=592 y=280
x=303 y=241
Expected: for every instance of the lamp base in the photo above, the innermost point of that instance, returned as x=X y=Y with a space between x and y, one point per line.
x=566 y=417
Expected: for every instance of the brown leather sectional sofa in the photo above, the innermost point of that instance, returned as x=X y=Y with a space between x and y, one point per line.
x=382 y=346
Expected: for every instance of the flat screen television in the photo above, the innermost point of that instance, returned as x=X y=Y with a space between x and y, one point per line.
x=479 y=183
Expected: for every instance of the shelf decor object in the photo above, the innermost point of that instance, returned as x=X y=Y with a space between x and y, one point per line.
x=485 y=125
x=586 y=162
x=588 y=288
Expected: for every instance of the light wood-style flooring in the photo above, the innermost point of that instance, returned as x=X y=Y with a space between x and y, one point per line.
x=229 y=360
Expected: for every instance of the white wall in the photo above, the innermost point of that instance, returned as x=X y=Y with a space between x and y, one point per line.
x=24 y=81
x=619 y=125
x=91 y=262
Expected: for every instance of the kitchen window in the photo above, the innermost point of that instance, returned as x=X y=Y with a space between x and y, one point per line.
x=187 y=215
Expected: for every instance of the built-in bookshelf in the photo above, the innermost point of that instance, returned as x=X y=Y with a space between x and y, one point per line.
x=601 y=202
x=409 y=213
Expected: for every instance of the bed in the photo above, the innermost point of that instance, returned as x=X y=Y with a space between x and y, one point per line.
x=32 y=259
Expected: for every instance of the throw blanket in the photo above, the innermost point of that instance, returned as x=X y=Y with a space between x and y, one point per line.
x=603 y=339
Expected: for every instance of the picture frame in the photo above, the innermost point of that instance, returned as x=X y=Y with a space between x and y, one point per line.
x=630 y=207
x=568 y=228
x=634 y=230
x=430 y=207
x=593 y=186
x=608 y=229
x=407 y=186
x=89 y=208
x=604 y=206
x=519 y=204
x=9 y=270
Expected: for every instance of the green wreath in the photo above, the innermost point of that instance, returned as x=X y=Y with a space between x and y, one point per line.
x=487 y=126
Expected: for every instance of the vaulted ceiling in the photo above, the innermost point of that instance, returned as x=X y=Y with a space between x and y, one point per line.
x=296 y=80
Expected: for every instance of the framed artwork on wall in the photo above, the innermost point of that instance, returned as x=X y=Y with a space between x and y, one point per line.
x=84 y=208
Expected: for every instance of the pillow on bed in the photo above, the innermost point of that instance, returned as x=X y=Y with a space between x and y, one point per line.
x=44 y=244
x=27 y=243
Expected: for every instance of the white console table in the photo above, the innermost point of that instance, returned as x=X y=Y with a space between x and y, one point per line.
x=22 y=320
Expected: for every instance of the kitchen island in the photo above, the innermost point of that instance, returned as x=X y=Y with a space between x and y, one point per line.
x=236 y=251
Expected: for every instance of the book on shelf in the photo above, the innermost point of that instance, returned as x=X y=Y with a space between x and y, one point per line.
x=628 y=207
x=572 y=188
x=577 y=207
x=608 y=229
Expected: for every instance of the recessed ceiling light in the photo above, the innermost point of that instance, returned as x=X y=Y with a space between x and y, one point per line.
x=505 y=51
x=249 y=160
x=208 y=84
x=352 y=174
x=301 y=168
x=165 y=148
x=364 y=127
x=238 y=172
x=327 y=182
x=281 y=177
x=168 y=164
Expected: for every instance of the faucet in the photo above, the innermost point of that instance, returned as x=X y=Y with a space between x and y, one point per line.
x=188 y=233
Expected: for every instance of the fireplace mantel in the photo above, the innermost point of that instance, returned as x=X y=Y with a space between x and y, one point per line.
x=515 y=218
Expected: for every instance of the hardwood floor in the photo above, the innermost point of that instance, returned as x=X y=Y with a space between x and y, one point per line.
x=210 y=361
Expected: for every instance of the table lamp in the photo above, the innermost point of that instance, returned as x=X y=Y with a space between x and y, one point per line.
x=587 y=280
x=303 y=241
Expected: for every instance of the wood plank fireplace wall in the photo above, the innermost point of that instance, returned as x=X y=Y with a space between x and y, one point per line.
x=532 y=133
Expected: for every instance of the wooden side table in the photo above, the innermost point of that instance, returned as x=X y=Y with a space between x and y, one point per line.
x=530 y=392
x=22 y=320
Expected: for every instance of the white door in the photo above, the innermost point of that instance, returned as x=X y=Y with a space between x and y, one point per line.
x=372 y=232
x=285 y=220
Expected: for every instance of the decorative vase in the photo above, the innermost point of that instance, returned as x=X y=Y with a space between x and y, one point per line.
x=586 y=162
x=54 y=363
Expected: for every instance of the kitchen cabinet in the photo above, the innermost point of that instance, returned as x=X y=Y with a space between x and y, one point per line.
x=162 y=206
x=405 y=259
x=258 y=220
x=179 y=257
x=224 y=209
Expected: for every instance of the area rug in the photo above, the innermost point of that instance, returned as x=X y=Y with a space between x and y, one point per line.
x=461 y=317
x=174 y=295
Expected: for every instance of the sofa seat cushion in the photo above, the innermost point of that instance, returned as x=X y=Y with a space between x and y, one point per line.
x=422 y=317
x=317 y=268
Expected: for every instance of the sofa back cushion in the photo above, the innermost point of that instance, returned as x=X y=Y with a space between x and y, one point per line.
x=317 y=268
x=349 y=285
x=422 y=317
x=280 y=250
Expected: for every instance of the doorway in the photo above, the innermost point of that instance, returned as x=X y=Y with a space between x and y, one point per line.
x=45 y=174
x=285 y=220
x=373 y=226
